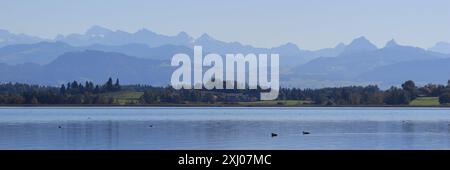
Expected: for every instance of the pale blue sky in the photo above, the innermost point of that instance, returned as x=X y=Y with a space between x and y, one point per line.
x=311 y=24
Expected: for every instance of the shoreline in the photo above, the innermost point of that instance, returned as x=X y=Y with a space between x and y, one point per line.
x=224 y=106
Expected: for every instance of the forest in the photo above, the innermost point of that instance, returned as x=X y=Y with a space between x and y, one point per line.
x=88 y=93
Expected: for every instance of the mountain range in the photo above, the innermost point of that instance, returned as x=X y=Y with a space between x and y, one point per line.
x=8 y=38
x=354 y=60
x=101 y=38
x=45 y=52
x=90 y=65
x=144 y=57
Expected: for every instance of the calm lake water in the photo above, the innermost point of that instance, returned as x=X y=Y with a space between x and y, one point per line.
x=223 y=128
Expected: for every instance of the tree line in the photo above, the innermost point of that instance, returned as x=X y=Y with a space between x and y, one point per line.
x=90 y=93
x=368 y=95
x=70 y=93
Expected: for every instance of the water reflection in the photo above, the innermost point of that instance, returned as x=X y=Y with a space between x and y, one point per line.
x=235 y=129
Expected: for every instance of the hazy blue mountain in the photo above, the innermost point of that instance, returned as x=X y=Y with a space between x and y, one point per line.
x=100 y=35
x=210 y=44
x=89 y=65
x=290 y=54
x=291 y=59
x=45 y=52
x=359 y=45
x=329 y=52
x=164 y=52
x=95 y=65
x=355 y=61
x=23 y=73
x=40 y=53
x=101 y=52
x=391 y=44
x=8 y=38
x=422 y=72
x=289 y=49
x=441 y=47
x=138 y=43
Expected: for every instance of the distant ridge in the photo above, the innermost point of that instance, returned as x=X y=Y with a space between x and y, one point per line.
x=360 y=44
x=441 y=47
x=25 y=58
x=8 y=38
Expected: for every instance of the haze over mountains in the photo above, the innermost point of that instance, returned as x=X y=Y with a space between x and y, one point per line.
x=441 y=47
x=361 y=61
x=8 y=38
x=144 y=56
x=73 y=66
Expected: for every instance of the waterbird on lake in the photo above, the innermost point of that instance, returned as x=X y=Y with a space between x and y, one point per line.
x=150 y=126
x=274 y=134
x=59 y=127
x=305 y=133
x=406 y=122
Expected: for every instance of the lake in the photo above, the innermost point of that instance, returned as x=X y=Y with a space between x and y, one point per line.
x=223 y=128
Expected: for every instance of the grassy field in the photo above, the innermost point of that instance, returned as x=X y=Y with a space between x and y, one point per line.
x=127 y=97
x=425 y=101
x=124 y=97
